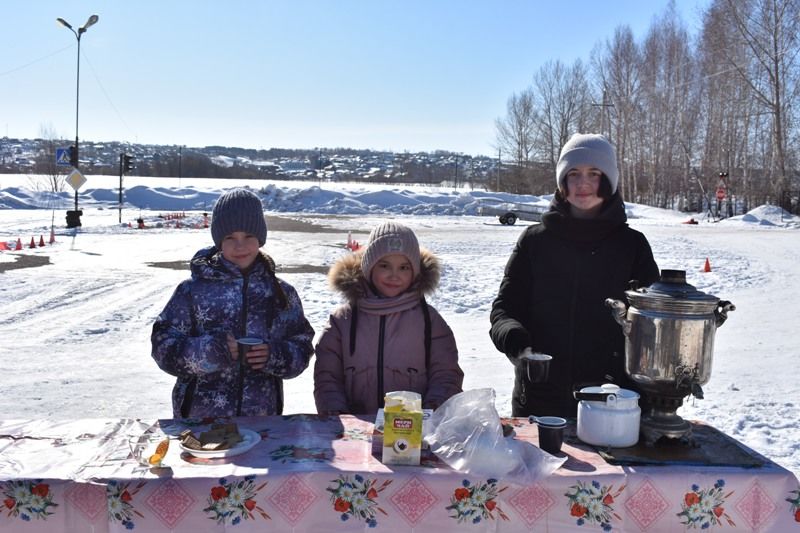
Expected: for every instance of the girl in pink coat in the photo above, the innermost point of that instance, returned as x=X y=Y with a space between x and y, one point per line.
x=385 y=337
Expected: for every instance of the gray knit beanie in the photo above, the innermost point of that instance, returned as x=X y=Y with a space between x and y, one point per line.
x=390 y=238
x=588 y=149
x=238 y=210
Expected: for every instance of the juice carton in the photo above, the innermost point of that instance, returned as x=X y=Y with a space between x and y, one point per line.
x=402 y=428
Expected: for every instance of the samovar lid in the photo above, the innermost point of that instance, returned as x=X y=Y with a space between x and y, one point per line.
x=672 y=293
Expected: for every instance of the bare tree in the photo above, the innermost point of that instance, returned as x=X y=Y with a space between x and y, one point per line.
x=617 y=67
x=515 y=132
x=768 y=29
x=48 y=175
x=681 y=110
x=669 y=108
x=562 y=96
x=730 y=112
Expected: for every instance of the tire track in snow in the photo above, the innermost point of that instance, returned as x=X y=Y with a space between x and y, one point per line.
x=90 y=307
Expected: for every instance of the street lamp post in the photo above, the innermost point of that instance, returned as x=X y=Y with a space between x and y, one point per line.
x=75 y=219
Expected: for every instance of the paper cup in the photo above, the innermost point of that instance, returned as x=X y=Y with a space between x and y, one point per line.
x=551 y=433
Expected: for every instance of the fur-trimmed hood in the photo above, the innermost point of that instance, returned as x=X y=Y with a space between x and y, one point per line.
x=345 y=276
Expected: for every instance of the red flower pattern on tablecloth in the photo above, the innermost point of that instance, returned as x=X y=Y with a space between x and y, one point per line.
x=232 y=502
x=357 y=496
x=794 y=502
x=28 y=499
x=593 y=503
x=120 y=497
x=473 y=503
x=702 y=508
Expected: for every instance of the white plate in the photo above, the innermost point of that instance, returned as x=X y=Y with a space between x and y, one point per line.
x=250 y=439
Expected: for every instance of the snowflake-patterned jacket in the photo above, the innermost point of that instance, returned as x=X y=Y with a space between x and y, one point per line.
x=189 y=337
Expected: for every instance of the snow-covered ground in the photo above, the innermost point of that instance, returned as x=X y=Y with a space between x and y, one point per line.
x=75 y=330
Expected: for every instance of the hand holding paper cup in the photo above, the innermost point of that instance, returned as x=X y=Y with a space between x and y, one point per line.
x=254 y=350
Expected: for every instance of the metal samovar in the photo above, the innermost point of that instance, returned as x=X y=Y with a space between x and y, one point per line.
x=669 y=343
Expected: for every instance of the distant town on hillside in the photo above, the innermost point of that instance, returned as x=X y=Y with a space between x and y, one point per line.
x=38 y=157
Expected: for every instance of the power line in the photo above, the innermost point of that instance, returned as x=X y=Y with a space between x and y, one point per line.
x=108 y=98
x=34 y=61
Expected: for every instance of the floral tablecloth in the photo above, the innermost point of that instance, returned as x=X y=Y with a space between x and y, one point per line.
x=312 y=473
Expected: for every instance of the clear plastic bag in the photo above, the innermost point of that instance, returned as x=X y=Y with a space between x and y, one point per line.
x=467 y=435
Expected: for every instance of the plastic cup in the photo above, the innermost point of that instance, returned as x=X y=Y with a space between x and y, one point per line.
x=551 y=433
x=244 y=345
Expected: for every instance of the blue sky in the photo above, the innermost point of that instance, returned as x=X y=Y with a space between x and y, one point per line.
x=411 y=75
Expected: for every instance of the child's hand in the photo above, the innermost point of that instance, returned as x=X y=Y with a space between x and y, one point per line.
x=257 y=356
x=233 y=347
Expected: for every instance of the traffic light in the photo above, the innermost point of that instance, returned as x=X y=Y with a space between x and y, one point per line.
x=73 y=156
x=127 y=163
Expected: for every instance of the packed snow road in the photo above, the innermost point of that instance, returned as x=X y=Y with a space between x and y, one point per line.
x=76 y=330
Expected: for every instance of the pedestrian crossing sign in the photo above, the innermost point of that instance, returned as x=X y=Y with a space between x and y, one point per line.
x=62 y=157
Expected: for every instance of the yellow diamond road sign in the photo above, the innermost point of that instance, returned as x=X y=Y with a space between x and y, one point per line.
x=76 y=179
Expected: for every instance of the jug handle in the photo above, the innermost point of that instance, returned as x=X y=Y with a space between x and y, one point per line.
x=620 y=311
x=605 y=397
x=721 y=311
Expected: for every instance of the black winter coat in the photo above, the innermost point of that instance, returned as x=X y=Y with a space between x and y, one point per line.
x=552 y=298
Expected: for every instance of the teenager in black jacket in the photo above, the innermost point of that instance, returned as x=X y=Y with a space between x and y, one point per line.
x=552 y=297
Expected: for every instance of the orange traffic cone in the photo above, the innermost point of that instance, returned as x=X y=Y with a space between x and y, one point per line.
x=41 y=240
x=52 y=236
x=19 y=244
x=32 y=244
x=707 y=266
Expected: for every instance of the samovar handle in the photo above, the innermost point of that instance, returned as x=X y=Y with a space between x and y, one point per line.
x=620 y=313
x=721 y=311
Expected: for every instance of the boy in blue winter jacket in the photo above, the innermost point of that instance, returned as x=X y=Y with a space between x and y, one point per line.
x=233 y=293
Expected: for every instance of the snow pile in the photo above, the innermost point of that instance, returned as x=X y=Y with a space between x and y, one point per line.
x=96 y=291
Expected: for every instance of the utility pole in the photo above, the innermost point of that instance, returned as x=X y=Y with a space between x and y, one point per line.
x=604 y=110
x=499 y=165
x=125 y=166
x=121 y=170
